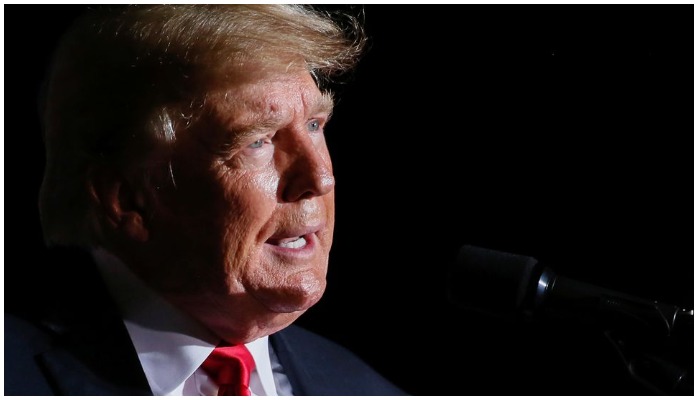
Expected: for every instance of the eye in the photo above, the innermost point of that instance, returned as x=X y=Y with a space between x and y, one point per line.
x=257 y=144
x=313 y=125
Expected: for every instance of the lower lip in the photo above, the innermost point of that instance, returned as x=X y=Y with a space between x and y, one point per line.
x=302 y=252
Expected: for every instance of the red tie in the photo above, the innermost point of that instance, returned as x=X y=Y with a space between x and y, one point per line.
x=230 y=366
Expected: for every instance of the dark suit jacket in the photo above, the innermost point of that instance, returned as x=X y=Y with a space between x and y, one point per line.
x=83 y=348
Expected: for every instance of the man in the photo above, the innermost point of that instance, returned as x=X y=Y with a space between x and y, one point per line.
x=185 y=150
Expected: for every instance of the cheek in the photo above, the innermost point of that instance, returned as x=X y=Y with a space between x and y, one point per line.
x=251 y=202
x=250 y=198
x=265 y=182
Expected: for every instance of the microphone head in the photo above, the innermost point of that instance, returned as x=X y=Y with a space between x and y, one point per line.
x=493 y=282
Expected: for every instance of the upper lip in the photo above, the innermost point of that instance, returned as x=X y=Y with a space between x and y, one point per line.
x=288 y=232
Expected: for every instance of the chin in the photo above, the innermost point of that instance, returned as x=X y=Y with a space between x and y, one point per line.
x=291 y=299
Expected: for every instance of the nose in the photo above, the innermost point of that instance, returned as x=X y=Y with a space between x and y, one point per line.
x=310 y=172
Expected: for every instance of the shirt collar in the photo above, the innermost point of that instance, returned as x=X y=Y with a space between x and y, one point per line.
x=171 y=346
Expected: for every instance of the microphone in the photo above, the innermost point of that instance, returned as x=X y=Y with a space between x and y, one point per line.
x=515 y=286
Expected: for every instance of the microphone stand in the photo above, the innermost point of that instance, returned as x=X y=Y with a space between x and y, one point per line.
x=663 y=365
x=653 y=339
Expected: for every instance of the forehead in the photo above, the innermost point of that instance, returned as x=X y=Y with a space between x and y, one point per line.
x=273 y=97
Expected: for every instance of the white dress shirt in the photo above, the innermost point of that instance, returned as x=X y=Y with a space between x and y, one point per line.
x=171 y=346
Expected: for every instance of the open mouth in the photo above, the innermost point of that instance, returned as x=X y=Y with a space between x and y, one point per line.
x=289 y=243
x=295 y=240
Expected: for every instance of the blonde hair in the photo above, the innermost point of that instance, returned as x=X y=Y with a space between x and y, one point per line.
x=124 y=79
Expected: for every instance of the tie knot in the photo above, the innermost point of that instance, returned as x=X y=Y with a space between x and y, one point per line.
x=230 y=367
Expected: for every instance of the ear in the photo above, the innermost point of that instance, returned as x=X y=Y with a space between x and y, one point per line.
x=121 y=204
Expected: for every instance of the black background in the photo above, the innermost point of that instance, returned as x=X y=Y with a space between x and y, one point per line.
x=562 y=132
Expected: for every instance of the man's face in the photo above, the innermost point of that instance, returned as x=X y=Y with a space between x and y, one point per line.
x=243 y=235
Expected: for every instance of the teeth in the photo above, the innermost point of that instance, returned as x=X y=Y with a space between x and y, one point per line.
x=294 y=244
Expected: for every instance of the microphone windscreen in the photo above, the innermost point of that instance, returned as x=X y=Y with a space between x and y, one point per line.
x=492 y=282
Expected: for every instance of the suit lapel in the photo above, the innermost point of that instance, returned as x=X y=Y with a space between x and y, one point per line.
x=300 y=377
x=310 y=366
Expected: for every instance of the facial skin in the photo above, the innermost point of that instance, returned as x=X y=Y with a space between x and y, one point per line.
x=241 y=241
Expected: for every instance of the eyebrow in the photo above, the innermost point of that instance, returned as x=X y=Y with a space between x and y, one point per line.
x=323 y=104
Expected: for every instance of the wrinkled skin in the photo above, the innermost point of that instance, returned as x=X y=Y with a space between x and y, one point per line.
x=251 y=175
